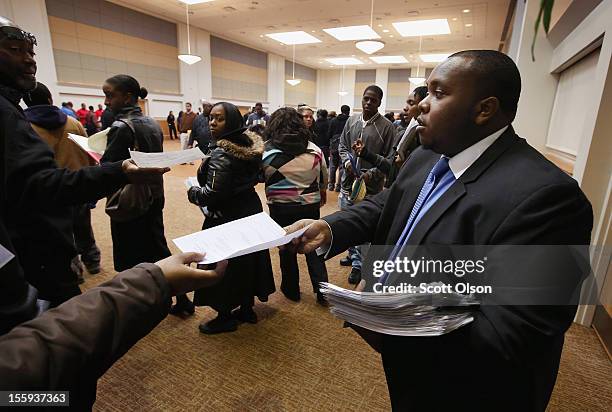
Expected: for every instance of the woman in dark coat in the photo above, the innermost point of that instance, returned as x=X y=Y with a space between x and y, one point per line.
x=141 y=239
x=227 y=191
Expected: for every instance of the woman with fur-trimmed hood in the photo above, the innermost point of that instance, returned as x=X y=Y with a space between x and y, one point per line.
x=227 y=192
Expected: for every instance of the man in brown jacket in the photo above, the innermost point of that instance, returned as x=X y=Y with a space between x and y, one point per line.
x=53 y=125
x=185 y=125
x=70 y=347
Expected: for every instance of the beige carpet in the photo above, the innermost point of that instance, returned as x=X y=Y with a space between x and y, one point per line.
x=298 y=357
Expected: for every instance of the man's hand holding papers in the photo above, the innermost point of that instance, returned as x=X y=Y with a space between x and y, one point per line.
x=318 y=234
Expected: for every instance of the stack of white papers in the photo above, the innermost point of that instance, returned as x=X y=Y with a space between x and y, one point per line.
x=401 y=314
x=236 y=238
x=166 y=159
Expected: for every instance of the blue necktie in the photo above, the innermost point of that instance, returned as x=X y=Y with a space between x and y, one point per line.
x=430 y=192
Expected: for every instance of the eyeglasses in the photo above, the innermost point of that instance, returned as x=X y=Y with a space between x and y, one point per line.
x=15 y=33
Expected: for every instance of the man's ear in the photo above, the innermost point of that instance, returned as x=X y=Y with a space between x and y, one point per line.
x=486 y=109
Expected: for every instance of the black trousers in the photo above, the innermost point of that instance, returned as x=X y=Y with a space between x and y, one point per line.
x=172 y=130
x=84 y=236
x=285 y=215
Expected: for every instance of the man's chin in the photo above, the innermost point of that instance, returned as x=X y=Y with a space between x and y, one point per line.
x=27 y=85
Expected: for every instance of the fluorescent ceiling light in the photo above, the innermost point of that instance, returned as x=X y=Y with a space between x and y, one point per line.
x=388 y=59
x=434 y=58
x=422 y=27
x=190 y=2
x=417 y=80
x=364 y=32
x=347 y=61
x=370 y=46
x=189 y=58
x=294 y=37
x=293 y=82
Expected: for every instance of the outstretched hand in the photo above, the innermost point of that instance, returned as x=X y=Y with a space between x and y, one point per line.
x=142 y=175
x=318 y=234
x=182 y=278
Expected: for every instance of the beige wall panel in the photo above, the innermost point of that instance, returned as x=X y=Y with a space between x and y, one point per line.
x=91 y=47
x=87 y=32
x=64 y=42
x=62 y=26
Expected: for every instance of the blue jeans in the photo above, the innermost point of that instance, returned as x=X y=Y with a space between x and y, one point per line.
x=353 y=251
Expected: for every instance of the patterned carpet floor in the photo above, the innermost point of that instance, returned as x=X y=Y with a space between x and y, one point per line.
x=296 y=358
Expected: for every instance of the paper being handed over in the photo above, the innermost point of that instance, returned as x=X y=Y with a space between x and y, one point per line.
x=239 y=237
x=166 y=159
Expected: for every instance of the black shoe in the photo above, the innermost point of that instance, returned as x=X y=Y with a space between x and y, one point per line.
x=219 y=325
x=337 y=189
x=330 y=187
x=355 y=276
x=183 y=306
x=291 y=296
x=92 y=268
x=346 y=261
x=245 y=315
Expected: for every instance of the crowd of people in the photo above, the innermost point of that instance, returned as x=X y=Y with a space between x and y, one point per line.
x=46 y=193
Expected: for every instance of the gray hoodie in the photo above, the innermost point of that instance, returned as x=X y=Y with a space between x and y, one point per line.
x=377 y=136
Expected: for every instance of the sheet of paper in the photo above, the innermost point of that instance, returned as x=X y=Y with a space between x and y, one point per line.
x=166 y=159
x=84 y=143
x=236 y=238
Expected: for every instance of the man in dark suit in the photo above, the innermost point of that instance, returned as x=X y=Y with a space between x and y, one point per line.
x=473 y=182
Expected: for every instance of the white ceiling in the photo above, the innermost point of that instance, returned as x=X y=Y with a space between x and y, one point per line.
x=246 y=21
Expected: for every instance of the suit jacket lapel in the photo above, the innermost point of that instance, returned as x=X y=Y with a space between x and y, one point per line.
x=458 y=189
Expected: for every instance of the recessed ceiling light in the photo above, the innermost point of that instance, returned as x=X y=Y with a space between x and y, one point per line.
x=380 y=25
x=347 y=61
x=388 y=59
x=190 y=2
x=422 y=27
x=352 y=33
x=390 y=35
x=468 y=25
x=313 y=31
x=466 y=10
x=454 y=19
x=434 y=58
x=294 y=37
x=261 y=35
x=385 y=31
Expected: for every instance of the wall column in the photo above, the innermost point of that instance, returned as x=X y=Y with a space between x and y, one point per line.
x=276 y=82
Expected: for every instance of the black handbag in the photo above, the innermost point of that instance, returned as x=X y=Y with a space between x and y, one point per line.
x=132 y=200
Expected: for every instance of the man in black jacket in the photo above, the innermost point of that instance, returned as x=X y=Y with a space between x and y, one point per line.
x=336 y=125
x=467 y=185
x=321 y=130
x=39 y=195
x=201 y=130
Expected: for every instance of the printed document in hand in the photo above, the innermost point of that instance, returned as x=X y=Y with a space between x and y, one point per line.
x=166 y=159
x=401 y=314
x=239 y=237
x=94 y=145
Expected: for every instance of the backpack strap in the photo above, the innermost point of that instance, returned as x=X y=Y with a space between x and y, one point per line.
x=128 y=123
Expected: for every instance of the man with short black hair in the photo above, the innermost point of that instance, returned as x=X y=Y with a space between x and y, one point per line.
x=38 y=195
x=473 y=182
x=258 y=116
x=201 y=130
x=185 y=125
x=376 y=134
